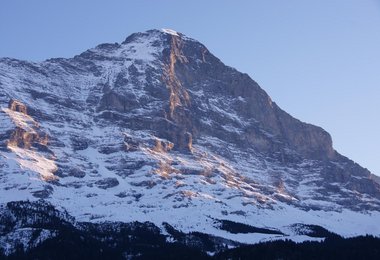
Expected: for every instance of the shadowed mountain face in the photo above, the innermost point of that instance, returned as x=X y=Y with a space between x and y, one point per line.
x=158 y=129
x=205 y=90
x=202 y=96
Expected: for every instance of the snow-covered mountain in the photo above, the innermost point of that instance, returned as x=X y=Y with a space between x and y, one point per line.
x=158 y=129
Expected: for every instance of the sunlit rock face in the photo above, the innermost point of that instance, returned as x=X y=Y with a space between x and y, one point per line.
x=29 y=143
x=158 y=129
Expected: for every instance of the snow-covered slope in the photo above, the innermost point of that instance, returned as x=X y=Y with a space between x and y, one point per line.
x=158 y=129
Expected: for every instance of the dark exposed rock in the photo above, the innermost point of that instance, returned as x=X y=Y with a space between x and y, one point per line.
x=130 y=144
x=148 y=184
x=107 y=183
x=77 y=172
x=45 y=193
x=79 y=143
x=375 y=178
x=121 y=194
x=109 y=149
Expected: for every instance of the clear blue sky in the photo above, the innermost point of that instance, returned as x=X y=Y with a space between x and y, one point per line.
x=319 y=60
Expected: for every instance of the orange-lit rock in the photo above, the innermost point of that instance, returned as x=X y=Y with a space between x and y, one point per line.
x=29 y=143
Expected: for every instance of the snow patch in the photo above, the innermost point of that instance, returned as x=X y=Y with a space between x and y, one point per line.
x=170 y=31
x=35 y=162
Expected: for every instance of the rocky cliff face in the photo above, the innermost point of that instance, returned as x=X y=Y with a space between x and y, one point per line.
x=156 y=128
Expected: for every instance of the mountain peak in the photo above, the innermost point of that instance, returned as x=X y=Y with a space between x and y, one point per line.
x=170 y=31
x=161 y=33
